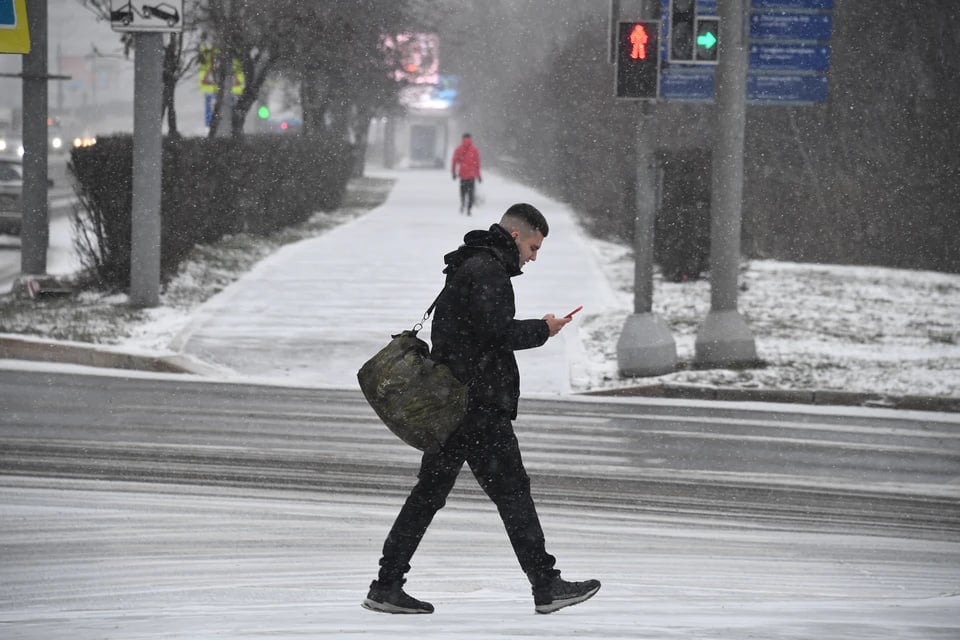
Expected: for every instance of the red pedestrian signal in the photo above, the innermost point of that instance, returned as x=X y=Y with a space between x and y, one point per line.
x=638 y=42
x=638 y=59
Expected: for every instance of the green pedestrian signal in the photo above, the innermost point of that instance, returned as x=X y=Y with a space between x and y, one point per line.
x=707 y=41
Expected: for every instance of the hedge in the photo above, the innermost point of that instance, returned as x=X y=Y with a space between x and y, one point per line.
x=210 y=188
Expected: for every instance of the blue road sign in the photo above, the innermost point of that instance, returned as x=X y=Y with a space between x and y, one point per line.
x=762 y=87
x=706 y=8
x=709 y=7
x=208 y=109
x=791 y=26
x=790 y=57
x=8 y=17
x=683 y=84
x=770 y=88
x=813 y=5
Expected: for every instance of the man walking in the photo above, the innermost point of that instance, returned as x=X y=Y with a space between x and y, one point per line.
x=466 y=159
x=475 y=333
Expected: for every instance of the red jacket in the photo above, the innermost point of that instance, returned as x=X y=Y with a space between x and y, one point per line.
x=468 y=157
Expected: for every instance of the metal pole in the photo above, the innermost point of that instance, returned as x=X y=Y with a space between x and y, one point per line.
x=646 y=213
x=35 y=226
x=645 y=347
x=147 y=170
x=225 y=120
x=724 y=338
x=612 y=31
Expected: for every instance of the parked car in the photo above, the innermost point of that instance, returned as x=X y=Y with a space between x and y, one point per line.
x=11 y=195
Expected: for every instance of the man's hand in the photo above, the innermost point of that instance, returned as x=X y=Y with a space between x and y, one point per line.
x=454 y=176
x=479 y=179
x=555 y=323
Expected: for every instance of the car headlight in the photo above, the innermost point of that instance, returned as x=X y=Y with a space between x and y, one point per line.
x=56 y=143
x=3 y=145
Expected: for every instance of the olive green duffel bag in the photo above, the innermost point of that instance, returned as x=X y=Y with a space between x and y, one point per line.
x=419 y=400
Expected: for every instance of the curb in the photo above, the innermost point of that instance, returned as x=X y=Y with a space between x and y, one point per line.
x=40 y=350
x=789 y=396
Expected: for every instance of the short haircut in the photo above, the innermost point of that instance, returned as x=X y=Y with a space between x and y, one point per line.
x=466 y=135
x=525 y=218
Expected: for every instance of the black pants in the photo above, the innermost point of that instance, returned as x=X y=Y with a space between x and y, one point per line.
x=487 y=443
x=466 y=194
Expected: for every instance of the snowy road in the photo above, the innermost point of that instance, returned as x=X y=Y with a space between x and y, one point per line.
x=167 y=507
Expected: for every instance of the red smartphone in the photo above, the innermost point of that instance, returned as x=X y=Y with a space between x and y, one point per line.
x=570 y=315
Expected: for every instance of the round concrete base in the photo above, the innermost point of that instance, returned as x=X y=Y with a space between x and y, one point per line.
x=646 y=347
x=724 y=340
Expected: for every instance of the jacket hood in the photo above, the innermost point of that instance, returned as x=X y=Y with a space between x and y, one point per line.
x=496 y=241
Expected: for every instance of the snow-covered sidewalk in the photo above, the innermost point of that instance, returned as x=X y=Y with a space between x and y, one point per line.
x=314 y=311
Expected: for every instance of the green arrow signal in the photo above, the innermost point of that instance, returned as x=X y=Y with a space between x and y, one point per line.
x=707 y=40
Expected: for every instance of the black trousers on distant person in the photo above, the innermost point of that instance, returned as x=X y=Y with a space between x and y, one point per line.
x=487 y=443
x=467 y=189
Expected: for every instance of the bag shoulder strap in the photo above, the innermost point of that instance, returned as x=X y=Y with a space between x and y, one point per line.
x=419 y=325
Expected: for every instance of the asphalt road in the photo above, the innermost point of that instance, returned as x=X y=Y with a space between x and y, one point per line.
x=172 y=507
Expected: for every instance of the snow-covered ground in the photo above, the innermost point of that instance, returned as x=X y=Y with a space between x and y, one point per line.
x=138 y=562
x=849 y=328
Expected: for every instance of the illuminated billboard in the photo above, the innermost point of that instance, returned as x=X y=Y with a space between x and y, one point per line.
x=413 y=57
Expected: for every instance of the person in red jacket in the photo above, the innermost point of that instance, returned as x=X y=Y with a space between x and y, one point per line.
x=466 y=165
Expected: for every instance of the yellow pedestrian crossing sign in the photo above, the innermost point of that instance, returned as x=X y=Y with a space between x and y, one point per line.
x=209 y=59
x=14 y=33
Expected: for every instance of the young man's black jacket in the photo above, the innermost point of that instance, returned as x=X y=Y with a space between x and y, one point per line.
x=474 y=331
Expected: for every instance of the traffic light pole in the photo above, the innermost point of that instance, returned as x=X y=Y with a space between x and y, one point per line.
x=645 y=347
x=724 y=338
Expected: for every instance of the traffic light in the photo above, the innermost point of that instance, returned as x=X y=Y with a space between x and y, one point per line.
x=683 y=18
x=692 y=38
x=708 y=37
x=638 y=59
x=263 y=112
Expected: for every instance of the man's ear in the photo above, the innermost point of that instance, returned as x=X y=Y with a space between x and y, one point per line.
x=515 y=235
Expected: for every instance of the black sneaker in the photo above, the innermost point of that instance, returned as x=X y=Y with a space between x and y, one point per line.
x=559 y=593
x=391 y=598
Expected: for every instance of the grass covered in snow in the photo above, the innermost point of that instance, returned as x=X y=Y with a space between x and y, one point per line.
x=859 y=329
